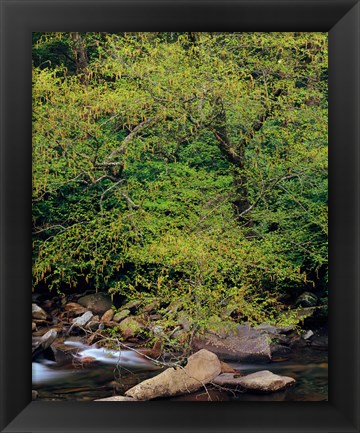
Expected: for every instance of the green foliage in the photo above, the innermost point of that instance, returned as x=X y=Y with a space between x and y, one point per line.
x=189 y=166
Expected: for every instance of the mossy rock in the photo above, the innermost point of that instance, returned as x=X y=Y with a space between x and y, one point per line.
x=118 y=317
x=307 y=299
x=131 y=327
x=132 y=305
x=220 y=327
x=152 y=306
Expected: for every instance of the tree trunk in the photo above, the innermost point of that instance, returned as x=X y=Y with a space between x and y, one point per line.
x=81 y=58
x=235 y=153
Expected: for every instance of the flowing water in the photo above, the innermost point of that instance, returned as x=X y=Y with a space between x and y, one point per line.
x=92 y=372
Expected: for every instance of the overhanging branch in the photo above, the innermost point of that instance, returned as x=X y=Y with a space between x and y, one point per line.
x=122 y=148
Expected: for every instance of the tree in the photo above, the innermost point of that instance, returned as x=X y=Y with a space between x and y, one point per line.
x=241 y=116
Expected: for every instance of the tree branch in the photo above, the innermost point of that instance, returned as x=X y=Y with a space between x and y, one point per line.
x=270 y=186
x=107 y=190
x=120 y=150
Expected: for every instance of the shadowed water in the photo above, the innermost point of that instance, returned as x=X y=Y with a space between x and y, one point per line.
x=95 y=372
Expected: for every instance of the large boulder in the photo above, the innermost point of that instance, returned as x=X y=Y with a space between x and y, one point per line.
x=243 y=344
x=98 y=303
x=280 y=338
x=248 y=344
x=202 y=368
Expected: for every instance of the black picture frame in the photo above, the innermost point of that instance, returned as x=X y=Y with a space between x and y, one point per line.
x=18 y=20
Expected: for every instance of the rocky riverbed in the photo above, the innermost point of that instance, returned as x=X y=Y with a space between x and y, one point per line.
x=84 y=348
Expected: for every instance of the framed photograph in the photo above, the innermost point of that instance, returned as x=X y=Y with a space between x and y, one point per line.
x=167 y=195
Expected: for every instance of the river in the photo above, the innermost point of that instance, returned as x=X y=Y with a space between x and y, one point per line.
x=79 y=377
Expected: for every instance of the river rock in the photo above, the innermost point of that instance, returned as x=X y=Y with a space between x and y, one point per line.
x=266 y=328
x=38 y=312
x=107 y=316
x=44 y=343
x=279 y=350
x=92 y=325
x=110 y=324
x=153 y=306
x=118 y=317
x=64 y=353
x=98 y=303
x=306 y=299
x=320 y=338
x=202 y=367
x=74 y=308
x=34 y=394
x=264 y=381
x=117 y=398
x=227 y=380
x=81 y=321
x=261 y=381
x=243 y=344
x=47 y=339
x=130 y=327
x=308 y=334
x=132 y=305
x=33 y=326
